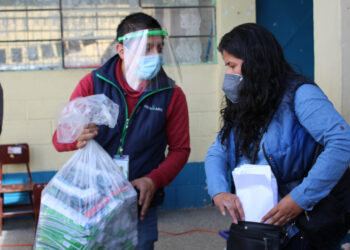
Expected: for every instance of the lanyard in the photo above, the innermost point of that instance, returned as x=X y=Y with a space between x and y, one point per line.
x=127 y=120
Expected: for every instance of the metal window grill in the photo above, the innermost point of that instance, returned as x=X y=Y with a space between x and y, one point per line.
x=55 y=34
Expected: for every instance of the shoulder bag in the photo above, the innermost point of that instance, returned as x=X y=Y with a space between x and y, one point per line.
x=255 y=236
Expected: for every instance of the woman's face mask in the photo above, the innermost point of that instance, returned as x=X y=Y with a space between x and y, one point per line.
x=148 y=66
x=231 y=85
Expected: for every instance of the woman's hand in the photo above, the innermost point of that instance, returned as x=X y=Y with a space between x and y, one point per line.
x=285 y=211
x=89 y=132
x=230 y=202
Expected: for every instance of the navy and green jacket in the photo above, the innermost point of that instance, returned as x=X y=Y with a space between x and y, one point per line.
x=142 y=136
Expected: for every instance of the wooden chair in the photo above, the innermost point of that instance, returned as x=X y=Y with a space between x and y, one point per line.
x=37 y=190
x=15 y=154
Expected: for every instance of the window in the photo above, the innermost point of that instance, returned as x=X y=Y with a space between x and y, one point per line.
x=54 y=34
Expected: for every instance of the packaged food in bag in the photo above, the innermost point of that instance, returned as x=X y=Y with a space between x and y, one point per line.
x=88 y=204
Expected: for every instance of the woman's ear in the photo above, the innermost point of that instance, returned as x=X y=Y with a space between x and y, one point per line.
x=120 y=50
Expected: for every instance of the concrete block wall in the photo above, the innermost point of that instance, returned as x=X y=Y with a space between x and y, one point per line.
x=332 y=51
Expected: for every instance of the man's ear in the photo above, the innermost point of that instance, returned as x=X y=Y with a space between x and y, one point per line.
x=120 y=50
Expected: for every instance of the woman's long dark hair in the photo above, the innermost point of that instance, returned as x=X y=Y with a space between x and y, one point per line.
x=264 y=70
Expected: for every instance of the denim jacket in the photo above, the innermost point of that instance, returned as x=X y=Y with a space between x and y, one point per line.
x=304 y=117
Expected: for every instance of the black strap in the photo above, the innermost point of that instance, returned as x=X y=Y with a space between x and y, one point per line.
x=263 y=130
x=257 y=143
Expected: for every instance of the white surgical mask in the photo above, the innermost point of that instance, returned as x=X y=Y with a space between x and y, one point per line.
x=149 y=66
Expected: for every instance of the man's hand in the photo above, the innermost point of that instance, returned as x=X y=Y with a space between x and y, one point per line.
x=147 y=189
x=231 y=203
x=285 y=211
x=89 y=132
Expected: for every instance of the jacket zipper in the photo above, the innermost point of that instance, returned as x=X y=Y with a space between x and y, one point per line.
x=269 y=161
x=127 y=120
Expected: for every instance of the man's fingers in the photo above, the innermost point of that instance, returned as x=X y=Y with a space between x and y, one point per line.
x=145 y=207
x=89 y=132
x=136 y=185
x=81 y=144
x=142 y=198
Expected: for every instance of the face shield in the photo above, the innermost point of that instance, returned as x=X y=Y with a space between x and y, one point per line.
x=145 y=54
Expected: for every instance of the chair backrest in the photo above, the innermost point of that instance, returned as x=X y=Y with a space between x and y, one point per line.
x=15 y=154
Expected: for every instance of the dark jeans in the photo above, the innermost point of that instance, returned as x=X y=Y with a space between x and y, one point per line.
x=147 y=230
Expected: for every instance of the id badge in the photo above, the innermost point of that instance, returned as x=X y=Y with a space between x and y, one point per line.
x=123 y=164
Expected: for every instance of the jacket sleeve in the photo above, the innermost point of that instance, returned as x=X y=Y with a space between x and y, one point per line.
x=318 y=116
x=217 y=167
x=178 y=137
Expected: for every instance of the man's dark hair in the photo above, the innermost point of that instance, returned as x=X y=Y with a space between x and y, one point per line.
x=135 y=22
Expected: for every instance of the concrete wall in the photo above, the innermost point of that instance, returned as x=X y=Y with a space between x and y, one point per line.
x=332 y=51
x=345 y=45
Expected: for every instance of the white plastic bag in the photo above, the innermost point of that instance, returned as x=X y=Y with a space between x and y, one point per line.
x=88 y=204
x=97 y=109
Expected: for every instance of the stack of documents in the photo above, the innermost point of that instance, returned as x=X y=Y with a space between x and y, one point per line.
x=256 y=187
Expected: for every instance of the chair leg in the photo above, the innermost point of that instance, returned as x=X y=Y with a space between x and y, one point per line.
x=31 y=199
x=37 y=190
x=1 y=210
x=36 y=205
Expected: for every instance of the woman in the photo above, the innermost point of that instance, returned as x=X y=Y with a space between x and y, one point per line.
x=274 y=116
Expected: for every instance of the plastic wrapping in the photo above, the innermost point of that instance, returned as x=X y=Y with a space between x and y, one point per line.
x=97 y=109
x=88 y=204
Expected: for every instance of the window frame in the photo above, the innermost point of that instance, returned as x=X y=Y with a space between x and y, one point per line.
x=64 y=39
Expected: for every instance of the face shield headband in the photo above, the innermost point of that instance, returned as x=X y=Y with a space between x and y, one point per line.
x=142 y=33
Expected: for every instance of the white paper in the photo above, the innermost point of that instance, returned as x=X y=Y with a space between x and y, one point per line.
x=16 y=150
x=256 y=187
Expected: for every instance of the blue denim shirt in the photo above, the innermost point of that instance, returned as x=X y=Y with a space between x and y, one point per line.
x=318 y=116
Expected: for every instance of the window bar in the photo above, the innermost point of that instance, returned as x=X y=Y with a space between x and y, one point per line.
x=178 y=7
x=29 y=10
x=62 y=44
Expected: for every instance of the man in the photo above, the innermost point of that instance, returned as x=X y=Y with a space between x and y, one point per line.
x=153 y=114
